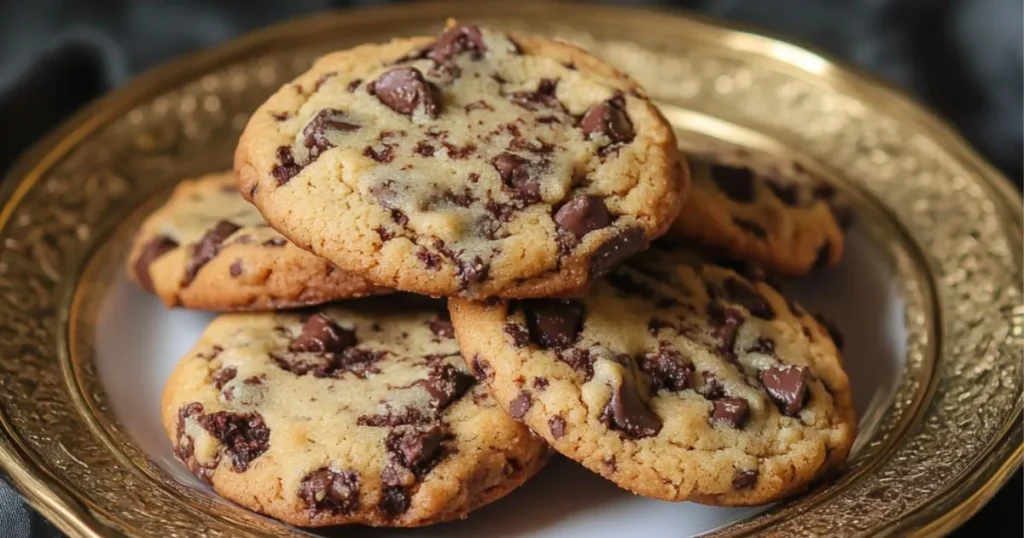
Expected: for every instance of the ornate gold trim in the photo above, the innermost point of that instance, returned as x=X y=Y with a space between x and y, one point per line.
x=62 y=231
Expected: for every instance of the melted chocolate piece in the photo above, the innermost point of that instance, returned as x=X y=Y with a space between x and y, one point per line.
x=608 y=118
x=626 y=412
x=244 y=435
x=446 y=383
x=787 y=386
x=733 y=412
x=616 y=250
x=403 y=89
x=153 y=250
x=327 y=490
x=322 y=335
x=668 y=369
x=554 y=323
x=582 y=215
x=316 y=131
x=207 y=248
x=455 y=41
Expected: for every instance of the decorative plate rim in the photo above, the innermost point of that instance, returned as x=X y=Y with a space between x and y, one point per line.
x=56 y=501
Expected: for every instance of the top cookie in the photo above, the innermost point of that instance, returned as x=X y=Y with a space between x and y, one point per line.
x=207 y=248
x=763 y=210
x=671 y=377
x=475 y=164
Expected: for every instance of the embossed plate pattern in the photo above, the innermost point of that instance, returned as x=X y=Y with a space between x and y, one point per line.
x=949 y=224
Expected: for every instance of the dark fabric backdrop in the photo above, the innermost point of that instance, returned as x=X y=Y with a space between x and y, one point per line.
x=961 y=57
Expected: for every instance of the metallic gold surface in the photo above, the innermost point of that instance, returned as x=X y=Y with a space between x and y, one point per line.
x=950 y=225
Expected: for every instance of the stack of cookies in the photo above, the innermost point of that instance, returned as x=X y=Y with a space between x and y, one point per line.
x=530 y=185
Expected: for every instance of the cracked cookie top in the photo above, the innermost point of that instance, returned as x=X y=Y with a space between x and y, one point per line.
x=472 y=164
x=363 y=414
x=207 y=248
x=672 y=377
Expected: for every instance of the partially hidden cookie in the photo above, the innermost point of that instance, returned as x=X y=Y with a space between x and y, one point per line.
x=770 y=212
x=673 y=378
x=474 y=164
x=365 y=414
x=207 y=248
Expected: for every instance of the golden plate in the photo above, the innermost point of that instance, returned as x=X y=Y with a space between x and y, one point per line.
x=950 y=224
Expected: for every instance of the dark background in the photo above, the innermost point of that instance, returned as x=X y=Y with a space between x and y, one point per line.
x=963 y=58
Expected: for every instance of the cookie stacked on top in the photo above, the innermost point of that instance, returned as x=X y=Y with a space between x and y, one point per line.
x=523 y=180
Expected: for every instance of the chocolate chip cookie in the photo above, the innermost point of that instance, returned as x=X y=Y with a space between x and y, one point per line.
x=474 y=164
x=364 y=414
x=770 y=212
x=673 y=378
x=207 y=248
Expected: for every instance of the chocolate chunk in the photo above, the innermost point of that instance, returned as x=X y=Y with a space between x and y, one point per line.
x=236 y=268
x=455 y=41
x=787 y=385
x=406 y=416
x=321 y=335
x=416 y=449
x=789 y=193
x=244 y=435
x=608 y=118
x=384 y=154
x=429 y=259
x=541 y=383
x=832 y=329
x=713 y=388
x=731 y=411
x=481 y=368
x=764 y=344
x=750 y=227
x=725 y=323
x=554 y=323
x=520 y=336
x=403 y=89
x=285 y=168
x=626 y=412
x=520 y=405
x=394 y=501
x=579 y=359
x=744 y=479
x=518 y=175
x=616 y=250
x=823 y=256
x=471 y=271
x=736 y=291
x=353 y=85
x=154 y=249
x=736 y=183
x=446 y=383
x=222 y=376
x=441 y=326
x=668 y=369
x=331 y=491
x=316 y=131
x=207 y=248
x=384 y=234
x=424 y=148
x=542 y=98
x=583 y=214
x=557 y=426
